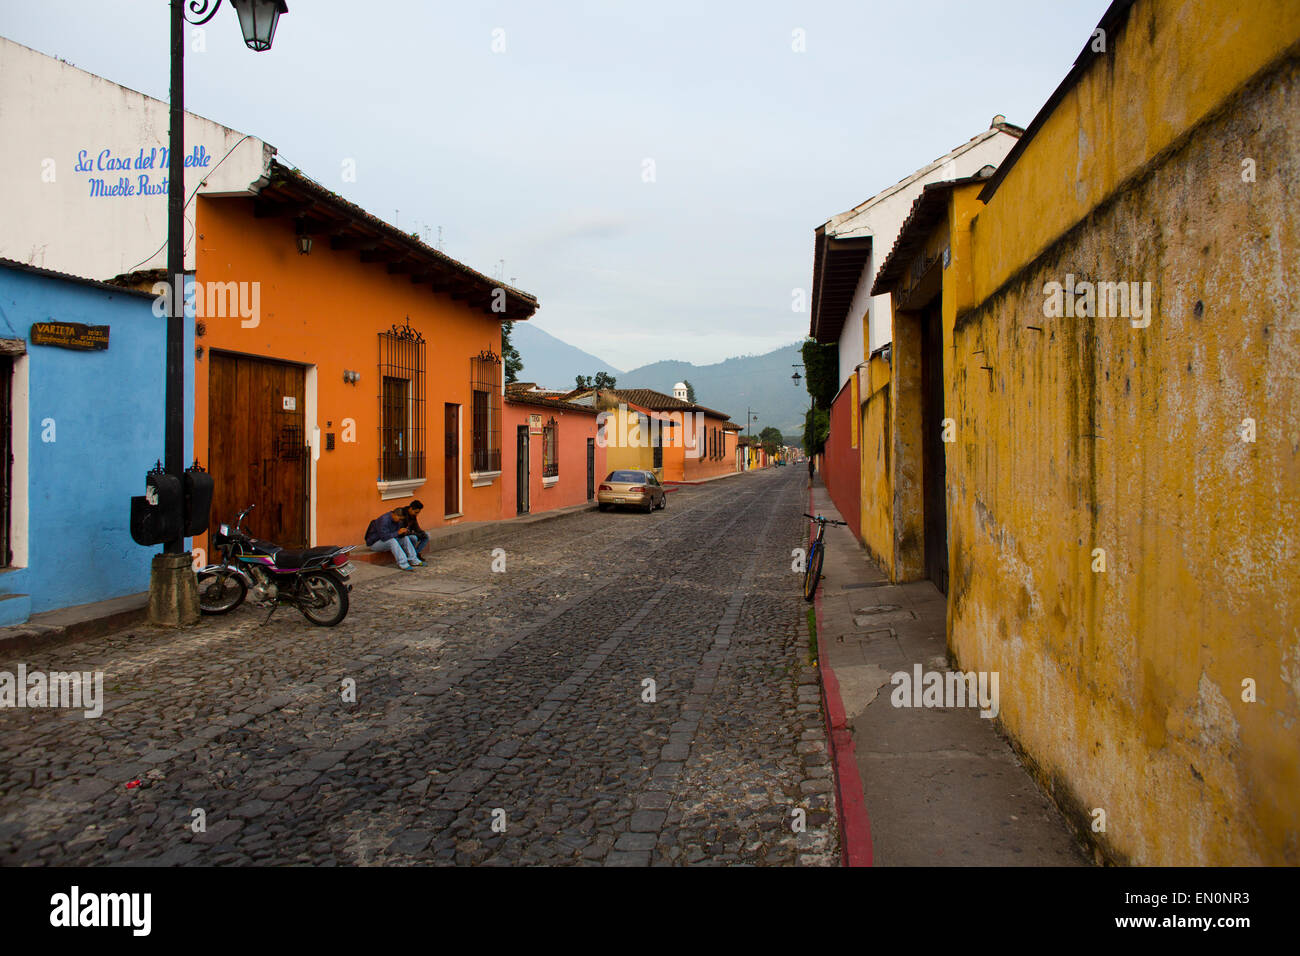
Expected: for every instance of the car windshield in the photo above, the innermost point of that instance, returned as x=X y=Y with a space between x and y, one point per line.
x=626 y=476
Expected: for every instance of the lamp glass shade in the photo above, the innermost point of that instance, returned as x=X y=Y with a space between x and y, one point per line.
x=257 y=21
x=304 y=245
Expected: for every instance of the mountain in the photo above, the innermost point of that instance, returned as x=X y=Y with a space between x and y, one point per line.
x=760 y=382
x=554 y=363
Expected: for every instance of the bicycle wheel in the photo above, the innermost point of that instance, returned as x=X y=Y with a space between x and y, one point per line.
x=322 y=599
x=813 y=572
x=220 y=591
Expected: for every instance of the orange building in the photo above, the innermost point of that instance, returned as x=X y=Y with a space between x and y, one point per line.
x=343 y=367
x=556 y=459
x=676 y=439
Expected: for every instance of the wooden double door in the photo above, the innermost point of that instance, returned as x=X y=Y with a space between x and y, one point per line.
x=257 y=446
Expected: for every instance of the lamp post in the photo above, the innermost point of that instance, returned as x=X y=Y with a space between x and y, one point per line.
x=173 y=595
x=749 y=417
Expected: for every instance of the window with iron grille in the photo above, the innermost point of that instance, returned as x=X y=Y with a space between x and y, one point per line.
x=401 y=404
x=485 y=387
x=550 y=449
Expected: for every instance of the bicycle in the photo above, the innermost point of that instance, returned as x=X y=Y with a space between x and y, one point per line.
x=812 y=571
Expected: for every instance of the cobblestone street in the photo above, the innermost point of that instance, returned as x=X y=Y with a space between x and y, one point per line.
x=517 y=699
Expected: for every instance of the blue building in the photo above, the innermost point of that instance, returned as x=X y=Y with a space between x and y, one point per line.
x=82 y=369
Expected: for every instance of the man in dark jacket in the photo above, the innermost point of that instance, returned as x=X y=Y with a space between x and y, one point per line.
x=411 y=516
x=389 y=533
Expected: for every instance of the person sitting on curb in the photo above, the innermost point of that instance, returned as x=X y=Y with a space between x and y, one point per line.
x=389 y=533
x=411 y=520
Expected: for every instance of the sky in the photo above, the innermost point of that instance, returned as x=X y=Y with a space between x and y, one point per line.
x=652 y=172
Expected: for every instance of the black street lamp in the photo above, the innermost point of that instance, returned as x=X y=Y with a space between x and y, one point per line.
x=173 y=595
x=257 y=20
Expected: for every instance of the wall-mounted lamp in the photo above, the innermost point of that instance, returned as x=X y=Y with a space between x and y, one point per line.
x=304 y=240
x=351 y=377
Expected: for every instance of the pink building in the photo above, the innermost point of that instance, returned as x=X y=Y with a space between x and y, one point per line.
x=549 y=454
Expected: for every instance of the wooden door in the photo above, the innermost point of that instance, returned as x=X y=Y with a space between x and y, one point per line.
x=257 y=445
x=935 y=488
x=6 y=458
x=451 y=470
x=521 y=470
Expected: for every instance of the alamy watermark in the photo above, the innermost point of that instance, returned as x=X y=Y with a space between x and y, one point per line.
x=213 y=300
x=1101 y=300
x=946 y=689
x=630 y=429
x=75 y=690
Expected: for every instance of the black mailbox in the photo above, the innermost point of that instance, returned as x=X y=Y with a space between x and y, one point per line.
x=198 y=499
x=157 y=523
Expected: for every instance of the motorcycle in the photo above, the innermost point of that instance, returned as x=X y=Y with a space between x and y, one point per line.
x=314 y=581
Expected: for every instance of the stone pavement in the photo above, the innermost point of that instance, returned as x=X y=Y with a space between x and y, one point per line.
x=633 y=689
x=941 y=786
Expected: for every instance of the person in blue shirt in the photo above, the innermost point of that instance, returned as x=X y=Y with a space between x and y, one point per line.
x=389 y=532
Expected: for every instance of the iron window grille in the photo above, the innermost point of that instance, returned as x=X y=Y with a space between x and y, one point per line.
x=551 y=449
x=485 y=387
x=401 y=403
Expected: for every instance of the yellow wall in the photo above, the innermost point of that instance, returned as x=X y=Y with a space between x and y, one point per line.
x=877 y=484
x=1125 y=688
x=1171 y=65
x=908 y=478
x=620 y=427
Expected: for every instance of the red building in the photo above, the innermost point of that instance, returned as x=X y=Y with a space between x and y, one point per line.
x=552 y=459
x=841 y=464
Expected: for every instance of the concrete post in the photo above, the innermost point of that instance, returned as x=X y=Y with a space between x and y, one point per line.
x=173 y=591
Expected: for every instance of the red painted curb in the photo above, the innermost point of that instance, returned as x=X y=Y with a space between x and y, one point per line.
x=850 y=804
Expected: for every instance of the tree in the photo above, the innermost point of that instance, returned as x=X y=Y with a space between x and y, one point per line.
x=821 y=365
x=690 y=391
x=602 y=380
x=816 y=429
x=771 y=439
x=509 y=354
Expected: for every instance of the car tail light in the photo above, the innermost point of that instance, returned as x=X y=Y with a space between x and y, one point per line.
x=636 y=489
x=606 y=487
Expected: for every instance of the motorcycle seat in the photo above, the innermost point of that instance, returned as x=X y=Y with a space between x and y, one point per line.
x=291 y=560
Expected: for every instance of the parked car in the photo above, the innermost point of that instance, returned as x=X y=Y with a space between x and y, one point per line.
x=634 y=489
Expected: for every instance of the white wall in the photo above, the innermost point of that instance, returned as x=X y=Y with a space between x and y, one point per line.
x=55 y=117
x=881 y=217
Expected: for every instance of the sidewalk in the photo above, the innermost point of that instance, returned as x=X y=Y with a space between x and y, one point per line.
x=74 y=623
x=455 y=535
x=940 y=786
x=92 y=620
x=670 y=485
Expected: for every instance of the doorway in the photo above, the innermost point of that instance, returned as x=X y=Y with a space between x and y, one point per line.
x=521 y=470
x=934 y=459
x=451 y=465
x=257 y=445
x=591 y=468
x=6 y=458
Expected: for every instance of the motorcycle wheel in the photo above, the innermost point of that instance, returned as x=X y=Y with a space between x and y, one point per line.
x=220 y=591
x=323 y=599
